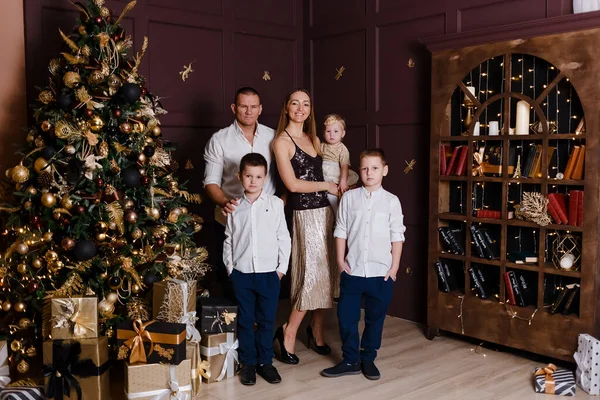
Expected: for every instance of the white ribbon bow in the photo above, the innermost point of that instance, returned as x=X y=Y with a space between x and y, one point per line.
x=173 y=392
x=229 y=348
x=189 y=319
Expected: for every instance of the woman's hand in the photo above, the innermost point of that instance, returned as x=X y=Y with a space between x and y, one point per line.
x=332 y=188
x=343 y=187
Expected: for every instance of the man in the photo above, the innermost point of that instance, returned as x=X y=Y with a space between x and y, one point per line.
x=222 y=156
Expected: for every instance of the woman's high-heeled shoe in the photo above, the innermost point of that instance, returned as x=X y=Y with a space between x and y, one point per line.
x=285 y=356
x=322 y=350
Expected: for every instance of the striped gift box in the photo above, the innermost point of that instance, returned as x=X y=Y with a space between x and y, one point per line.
x=551 y=380
x=22 y=393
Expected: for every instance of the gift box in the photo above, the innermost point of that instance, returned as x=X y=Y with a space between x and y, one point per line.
x=220 y=350
x=22 y=393
x=551 y=380
x=217 y=315
x=4 y=369
x=151 y=342
x=157 y=381
x=77 y=368
x=200 y=368
x=587 y=360
x=174 y=300
x=74 y=318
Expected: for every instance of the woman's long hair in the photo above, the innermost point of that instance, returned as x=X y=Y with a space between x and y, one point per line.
x=309 y=127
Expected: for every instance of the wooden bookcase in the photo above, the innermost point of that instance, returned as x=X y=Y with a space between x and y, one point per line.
x=564 y=66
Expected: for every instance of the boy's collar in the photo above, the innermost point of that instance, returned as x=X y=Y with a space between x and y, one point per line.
x=260 y=196
x=367 y=193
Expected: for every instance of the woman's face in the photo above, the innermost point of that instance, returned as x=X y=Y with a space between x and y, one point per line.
x=298 y=107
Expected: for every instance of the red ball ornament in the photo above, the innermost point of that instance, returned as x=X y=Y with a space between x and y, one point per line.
x=35 y=219
x=32 y=286
x=116 y=37
x=99 y=182
x=88 y=113
x=160 y=242
x=98 y=20
x=117 y=112
x=79 y=209
x=144 y=91
x=145 y=180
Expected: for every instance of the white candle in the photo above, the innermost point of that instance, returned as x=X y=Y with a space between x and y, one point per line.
x=471 y=89
x=476 y=129
x=522 y=126
x=493 y=129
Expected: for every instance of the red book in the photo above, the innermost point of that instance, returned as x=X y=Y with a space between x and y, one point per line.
x=509 y=290
x=553 y=212
x=460 y=169
x=573 y=205
x=559 y=205
x=580 y=208
x=496 y=214
x=452 y=163
x=443 y=159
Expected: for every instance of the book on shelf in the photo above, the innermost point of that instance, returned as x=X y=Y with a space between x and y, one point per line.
x=453 y=161
x=488 y=214
x=573 y=206
x=526 y=290
x=559 y=205
x=579 y=163
x=580 y=208
x=458 y=239
x=571 y=162
x=492 y=244
x=509 y=290
x=522 y=257
x=452 y=239
x=526 y=167
x=476 y=241
x=462 y=161
x=475 y=274
x=536 y=163
x=572 y=303
x=443 y=160
x=561 y=298
x=450 y=278
x=442 y=281
x=483 y=243
x=516 y=289
x=550 y=157
x=553 y=213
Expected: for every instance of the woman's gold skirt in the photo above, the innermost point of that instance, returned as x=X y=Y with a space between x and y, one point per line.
x=314 y=276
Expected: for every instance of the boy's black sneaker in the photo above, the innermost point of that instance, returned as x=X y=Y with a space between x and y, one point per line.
x=369 y=370
x=341 y=369
x=268 y=372
x=248 y=375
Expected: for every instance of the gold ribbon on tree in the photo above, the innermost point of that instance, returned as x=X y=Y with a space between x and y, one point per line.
x=136 y=343
x=548 y=370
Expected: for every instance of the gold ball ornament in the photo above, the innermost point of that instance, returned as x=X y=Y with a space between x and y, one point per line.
x=6 y=306
x=96 y=124
x=137 y=234
x=66 y=202
x=71 y=79
x=184 y=210
x=131 y=216
x=27 y=205
x=16 y=345
x=102 y=226
x=37 y=263
x=173 y=216
x=101 y=237
x=46 y=96
x=51 y=256
x=56 y=215
x=67 y=243
x=24 y=323
x=41 y=164
x=19 y=174
x=20 y=307
x=23 y=367
x=142 y=158
x=46 y=126
x=135 y=288
x=112 y=297
x=106 y=308
x=112 y=226
x=126 y=127
x=48 y=200
x=148 y=140
x=32 y=191
x=22 y=248
x=22 y=269
x=128 y=204
x=138 y=127
x=48 y=236
x=96 y=77
x=31 y=351
x=55 y=266
x=114 y=82
x=39 y=142
x=81 y=30
x=55 y=66
x=70 y=149
x=156 y=131
x=86 y=50
x=178 y=247
x=154 y=212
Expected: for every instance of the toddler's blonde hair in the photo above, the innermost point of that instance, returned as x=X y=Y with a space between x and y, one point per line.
x=333 y=118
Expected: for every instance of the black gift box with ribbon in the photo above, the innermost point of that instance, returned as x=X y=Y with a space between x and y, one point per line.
x=151 y=342
x=216 y=315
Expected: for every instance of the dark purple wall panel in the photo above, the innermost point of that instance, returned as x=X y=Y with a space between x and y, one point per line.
x=279 y=12
x=207 y=7
x=500 y=13
x=325 y=12
x=355 y=140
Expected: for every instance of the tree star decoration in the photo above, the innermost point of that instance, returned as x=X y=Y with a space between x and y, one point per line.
x=340 y=72
x=409 y=165
x=266 y=76
x=186 y=71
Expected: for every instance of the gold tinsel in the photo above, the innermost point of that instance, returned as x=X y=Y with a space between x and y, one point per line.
x=114 y=166
x=138 y=308
x=72 y=286
x=86 y=50
x=161 y=192
x=71 y=79
x=127 y=266
x=81 y=266
x=115 y=214
x=103 y=150
x=84 y=98
x=161 y=158
x=72 y=45
x=190 y=197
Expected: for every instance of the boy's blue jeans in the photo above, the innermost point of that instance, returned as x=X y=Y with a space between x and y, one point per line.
x=257 y=296
x=377 y=294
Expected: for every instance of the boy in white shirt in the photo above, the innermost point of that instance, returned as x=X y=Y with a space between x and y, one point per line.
x=256 y=253
x=370 y=221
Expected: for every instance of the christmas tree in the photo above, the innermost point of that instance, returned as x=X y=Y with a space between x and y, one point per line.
x=94 y=206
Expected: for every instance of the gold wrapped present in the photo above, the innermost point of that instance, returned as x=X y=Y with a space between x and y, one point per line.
x=220 y=350
x=78 y=367
x=158 y=381
x=74 y=318
x=174 y=300
x=200 y=368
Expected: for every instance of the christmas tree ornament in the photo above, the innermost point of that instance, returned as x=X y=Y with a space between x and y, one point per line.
x=20 y=307
x=31 y=190
x=23 y=367
x=67 y=244
x=79 y=209
x=56 y=215
x=131 y=177
x=96 y=77
x=131 y=216
x=131 y=92
x=64 y=101
x=136 y=233
x=88 y=113
x=41 y=164
x=6 y=306
x=85 y=250
x=31 y=351
x=36 y=263
x=145 y=180
x=102 y=226
x=48 y=152
x=106 y=308
x=45 y=179
x=46 y=97
x=16 y=345
x=70 y=149
x=27 y=205
x=153 y=212
x=51 y=256
x=101 y=237
x=55 y=65
x=71 y=79
x=66 y=202
x=48 y=200
x=112 y=226
x=32 y=286
x=160 y=242
x=142 y=158
x=114 y=82
x=135 y=288
x=156 y=131
x=144 y=91
x=149 y=151
x=115 y=282
x=22 y=248
x=117 y=113
x=149 y=280
x=22 y=269
x=113 y=297
x=19 y=174
x=99 y=182
x=24 y=323
x=65 y=130
x=46 y=126
x=81 y=30
x=128 y=204
x=184 y=210
x=205 y=293
x=96 y=124
x=126 y=127
x=48 y=236
x=34 y=219
x=55 y=266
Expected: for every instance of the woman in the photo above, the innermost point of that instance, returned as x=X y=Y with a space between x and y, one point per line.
x=313 y=269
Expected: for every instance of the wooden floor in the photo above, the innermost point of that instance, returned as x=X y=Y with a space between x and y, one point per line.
x=411 y=366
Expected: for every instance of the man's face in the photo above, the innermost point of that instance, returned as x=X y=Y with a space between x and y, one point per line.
x=247 y=109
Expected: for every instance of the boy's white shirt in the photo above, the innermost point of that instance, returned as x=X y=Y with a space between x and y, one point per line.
x=257 y=239
x=370 y=222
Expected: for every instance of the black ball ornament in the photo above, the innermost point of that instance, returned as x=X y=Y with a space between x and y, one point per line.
x=84 y=250
x=148 y=151
x=113 y=130
x=149 y=280
x=48 y=152
x=131 y=177
x=115 y=282
x=131 y=92
x=65 y=101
